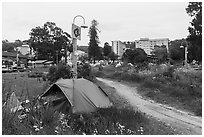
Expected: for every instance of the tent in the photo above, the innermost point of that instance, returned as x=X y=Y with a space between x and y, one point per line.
x=78 y=96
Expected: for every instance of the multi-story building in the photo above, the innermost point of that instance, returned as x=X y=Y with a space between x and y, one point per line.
x=129 y=44
x=148 y=44
x=118 y=48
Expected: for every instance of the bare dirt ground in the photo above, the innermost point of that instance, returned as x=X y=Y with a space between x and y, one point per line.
x=184 y=122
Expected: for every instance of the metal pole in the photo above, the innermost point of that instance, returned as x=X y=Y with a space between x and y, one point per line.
x=74 y=63
x=57 y=57
x=66 y=54
x=186 y=52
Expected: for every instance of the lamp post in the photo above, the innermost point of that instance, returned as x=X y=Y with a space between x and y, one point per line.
x=76 y=34
x=185 y=51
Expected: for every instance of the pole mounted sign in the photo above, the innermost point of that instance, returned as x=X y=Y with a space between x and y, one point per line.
x=76 y=32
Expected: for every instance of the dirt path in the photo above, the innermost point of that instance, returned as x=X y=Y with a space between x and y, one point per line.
x=182 y=121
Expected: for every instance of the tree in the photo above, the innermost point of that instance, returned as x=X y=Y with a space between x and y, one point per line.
x=175 y=50
x=194 y=10
x=48 y=40
x=6 y=46
x=11 y=46
x=137 y=55
x=160 y=53
x=94 y=51
x=106 y=49
x=112 y=56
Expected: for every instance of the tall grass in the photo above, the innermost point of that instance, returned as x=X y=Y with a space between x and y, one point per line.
x=179 y=84
x=39 y=118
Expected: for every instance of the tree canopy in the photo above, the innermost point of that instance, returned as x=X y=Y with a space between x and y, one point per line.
x=176 y=52
x=10 y=46
x=94 y=51
x=106 y=49
x=137 y=55
x=48 y=40
x=161 y=53
x=194 y=10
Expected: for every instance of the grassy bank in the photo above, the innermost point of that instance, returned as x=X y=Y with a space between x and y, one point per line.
x=179 y=87
x=38 y=118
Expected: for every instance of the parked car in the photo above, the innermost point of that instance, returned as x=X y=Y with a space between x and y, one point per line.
x=14 y=69
x=6 y=69
x=21 y=69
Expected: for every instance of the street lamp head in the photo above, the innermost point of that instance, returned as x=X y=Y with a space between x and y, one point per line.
x=84 y=26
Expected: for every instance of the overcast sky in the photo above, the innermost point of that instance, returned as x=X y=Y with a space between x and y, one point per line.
x=126 y=21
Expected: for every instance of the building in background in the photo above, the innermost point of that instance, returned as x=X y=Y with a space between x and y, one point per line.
x=129 y=44
x=24 y=49
x=118 y=48
x=148 y=44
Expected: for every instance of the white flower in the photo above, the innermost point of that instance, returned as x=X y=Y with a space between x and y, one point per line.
x=27 y=101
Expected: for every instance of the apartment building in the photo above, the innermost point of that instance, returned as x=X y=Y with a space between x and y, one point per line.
x=118 y=48
x=148 y=44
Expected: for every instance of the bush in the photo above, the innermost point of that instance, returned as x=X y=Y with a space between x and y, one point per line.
x=64 y=71
x=35 y=74
x=84 y=70
x=149 y=83
x=36 y=117
x=169 y=72
x=132 y=77
x=111 y=121
x=59 y=71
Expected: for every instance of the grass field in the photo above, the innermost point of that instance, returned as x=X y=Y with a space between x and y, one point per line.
x=120 y=119
x=22 y=85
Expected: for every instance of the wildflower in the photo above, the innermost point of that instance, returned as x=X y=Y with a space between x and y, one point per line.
x=36 y=128
x=27 y=110
x=56 y=131
x=141 y=129
x=81 y=117
x=107 y=132
x=21 y=116
x=27 y=101
x=62 y=116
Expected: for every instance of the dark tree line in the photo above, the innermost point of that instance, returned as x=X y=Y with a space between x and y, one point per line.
x=194 y=10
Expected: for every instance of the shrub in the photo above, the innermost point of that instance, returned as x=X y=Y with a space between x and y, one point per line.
x=111 y=121
x=149 y=83
x=35 y=74
x=59 y=71
x=132 y=77
x=36 y=117
x=169 y=72
x=84 y=70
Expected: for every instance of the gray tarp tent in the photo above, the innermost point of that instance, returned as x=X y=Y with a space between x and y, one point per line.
x=81 y=95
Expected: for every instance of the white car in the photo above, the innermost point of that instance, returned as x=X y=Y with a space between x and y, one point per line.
x=5 y=69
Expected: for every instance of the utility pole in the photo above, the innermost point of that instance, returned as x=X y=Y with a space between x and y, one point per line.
x=74 y=63
x=185 y=52
x=76 y=34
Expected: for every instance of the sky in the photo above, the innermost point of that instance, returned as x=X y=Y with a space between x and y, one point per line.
x=125 y=21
